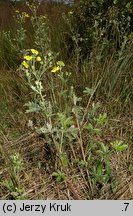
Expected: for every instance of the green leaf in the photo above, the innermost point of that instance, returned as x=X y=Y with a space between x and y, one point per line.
x=42 y=130
x=60 y=63
x=60 y=176
x=89 y=127
x=64 y=159
x=102 y=119
x=118 y=146
x=104 y=148
x=88 y=91
x=55 y=174
x=92 y=129
x=32 y=107
x=76 y=99
x=122 y=148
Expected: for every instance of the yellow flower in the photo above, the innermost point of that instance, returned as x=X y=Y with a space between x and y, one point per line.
x=38 y=58
x=25 y=64
x=28 y=57
x=43 y=17
x=55 y=69
x=25 y=14
x=17 y=11
x=35 y=52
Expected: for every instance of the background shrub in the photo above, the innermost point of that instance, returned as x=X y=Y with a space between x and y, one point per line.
x=99 y=21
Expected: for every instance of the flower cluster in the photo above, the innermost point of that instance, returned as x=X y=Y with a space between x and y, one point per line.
x=23 y=13
x=33 y=56
x=28 y=58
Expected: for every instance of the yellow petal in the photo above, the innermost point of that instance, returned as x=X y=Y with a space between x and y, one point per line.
x=28 y=57
x=35 y=52
x=17 y=11
x=25 y=64
x=55 y=69
x=38 y=58
x=27 y=15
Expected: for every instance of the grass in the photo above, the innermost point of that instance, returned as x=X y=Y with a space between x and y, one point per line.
x=65 y=150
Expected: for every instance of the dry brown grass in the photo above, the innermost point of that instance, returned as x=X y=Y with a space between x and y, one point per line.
x=38 y=181
x=6 y=14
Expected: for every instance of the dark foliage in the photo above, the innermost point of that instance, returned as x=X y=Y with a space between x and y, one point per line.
x=101 y=21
